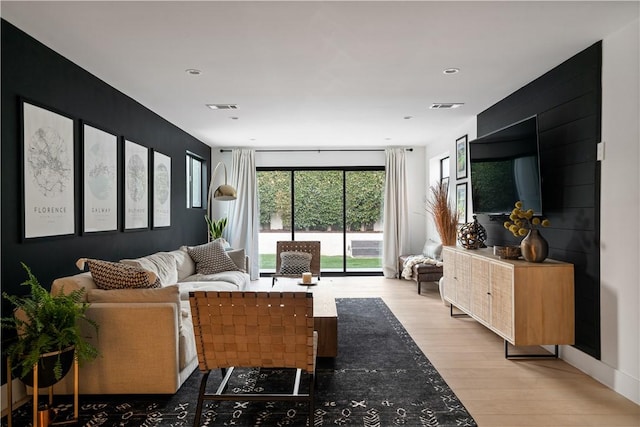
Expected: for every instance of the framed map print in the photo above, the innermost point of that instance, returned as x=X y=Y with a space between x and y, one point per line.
x=136 y=186
x=161 y=190
x=48 y=172
x=100 y=183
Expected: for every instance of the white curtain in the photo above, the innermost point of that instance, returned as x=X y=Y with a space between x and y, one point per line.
x=396 y=216
x=243 y=228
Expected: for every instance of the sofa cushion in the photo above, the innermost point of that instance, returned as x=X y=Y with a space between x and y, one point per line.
x=187 y=347
x=167 y=294
x=114 y=275
x=69 y=284
x=162 y=263
x=211 y=258
x=184 y=263
x=295 y=263
x=238 y=257
x=186 y=287
x=432 y=249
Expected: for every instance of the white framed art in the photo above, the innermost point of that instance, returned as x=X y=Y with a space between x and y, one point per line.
x=161 y=190
x=100 y=183
x=48 y=172
x=136 y=186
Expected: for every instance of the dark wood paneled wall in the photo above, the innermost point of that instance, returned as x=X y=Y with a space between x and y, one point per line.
x=567 y=101
x=33 y=71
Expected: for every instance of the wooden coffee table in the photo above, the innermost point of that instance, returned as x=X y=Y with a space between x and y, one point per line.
x=325 y=314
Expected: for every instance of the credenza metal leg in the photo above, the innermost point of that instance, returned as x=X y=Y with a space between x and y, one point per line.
x=456 y=314
x=529 y=355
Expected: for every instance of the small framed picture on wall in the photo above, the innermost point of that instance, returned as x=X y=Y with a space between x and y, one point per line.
x=461 y=157
x=461 y=202
x=136 y=186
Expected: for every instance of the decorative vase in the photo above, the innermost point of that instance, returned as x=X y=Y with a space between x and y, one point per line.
x=534 y=247
x=472 y=235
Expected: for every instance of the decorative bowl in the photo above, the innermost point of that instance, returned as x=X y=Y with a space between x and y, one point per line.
x=507 y=252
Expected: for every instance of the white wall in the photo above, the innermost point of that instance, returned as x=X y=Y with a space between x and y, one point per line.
x=446 y=146
x=415 y=176
x=619 y=367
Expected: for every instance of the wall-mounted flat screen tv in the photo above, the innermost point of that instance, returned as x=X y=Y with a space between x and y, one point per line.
x=505 y=168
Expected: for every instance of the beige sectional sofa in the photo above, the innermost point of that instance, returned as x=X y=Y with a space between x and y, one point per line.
x=146 y=336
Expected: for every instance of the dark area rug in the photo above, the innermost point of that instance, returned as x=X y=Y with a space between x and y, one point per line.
x=380 y=378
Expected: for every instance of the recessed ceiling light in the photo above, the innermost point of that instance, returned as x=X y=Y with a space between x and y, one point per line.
x=451 y=70
x=193 y=72
x=223 y=106
x=445 y=105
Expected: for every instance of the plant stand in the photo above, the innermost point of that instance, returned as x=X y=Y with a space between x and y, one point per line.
x=35 y=396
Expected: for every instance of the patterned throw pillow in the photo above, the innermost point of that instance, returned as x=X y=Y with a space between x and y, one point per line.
x=211 y=258
x=295 y=263
x=114 y=275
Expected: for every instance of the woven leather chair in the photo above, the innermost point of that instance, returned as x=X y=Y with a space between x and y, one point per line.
x=254 y=329
x=312 y=247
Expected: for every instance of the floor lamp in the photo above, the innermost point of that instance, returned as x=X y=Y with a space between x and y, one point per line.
x=223 y=193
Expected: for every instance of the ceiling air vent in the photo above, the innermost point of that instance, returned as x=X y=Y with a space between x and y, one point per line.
x=445 y=105
x=223 y=106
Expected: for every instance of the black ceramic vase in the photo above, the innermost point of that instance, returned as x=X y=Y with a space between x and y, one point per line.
x=534 y=247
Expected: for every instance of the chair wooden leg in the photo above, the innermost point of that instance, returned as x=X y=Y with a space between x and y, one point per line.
x=311 y=399
x=203 y=388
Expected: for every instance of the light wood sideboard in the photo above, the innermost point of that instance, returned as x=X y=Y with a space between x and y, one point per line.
x=525 y=303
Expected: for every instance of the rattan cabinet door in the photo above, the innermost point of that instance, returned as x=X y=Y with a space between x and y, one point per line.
x=480 y=290
x=449 y=273
x=501 y=277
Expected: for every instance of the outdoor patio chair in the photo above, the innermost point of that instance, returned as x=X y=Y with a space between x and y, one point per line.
x=284 y=270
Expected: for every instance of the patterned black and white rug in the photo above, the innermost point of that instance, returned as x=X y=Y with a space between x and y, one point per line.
x=380 y=378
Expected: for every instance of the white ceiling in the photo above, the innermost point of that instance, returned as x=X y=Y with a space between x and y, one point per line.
x=318 y=74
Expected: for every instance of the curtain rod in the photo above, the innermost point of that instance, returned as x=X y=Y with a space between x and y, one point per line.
x=313 y=151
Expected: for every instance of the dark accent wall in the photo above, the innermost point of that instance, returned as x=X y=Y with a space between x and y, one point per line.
x=567 y=101
x=33 y=71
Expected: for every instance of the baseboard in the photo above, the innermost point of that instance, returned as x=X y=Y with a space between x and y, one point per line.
x=616 y=380
x=18 y=396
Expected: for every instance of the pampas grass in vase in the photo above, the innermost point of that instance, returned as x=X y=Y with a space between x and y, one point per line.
x=444 y=215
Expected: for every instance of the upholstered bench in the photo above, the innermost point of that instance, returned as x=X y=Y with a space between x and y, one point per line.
x=421 y=272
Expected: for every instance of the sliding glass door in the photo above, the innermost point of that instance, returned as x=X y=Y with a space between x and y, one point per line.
x=341 y=208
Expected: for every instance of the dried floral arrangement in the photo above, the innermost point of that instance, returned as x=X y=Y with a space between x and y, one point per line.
x=444 y=214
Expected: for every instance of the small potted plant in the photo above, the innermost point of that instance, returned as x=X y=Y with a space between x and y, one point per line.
x=215 y=227
x=46 y=325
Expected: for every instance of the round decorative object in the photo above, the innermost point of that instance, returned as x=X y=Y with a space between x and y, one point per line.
x=472 y=235
x=534 y=247
x=507 y=252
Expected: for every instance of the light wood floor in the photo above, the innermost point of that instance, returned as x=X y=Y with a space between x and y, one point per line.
x=496 y=391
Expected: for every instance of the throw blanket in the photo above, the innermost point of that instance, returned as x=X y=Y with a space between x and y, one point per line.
x=407 y=267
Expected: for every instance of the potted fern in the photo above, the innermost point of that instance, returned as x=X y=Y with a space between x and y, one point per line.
x=45 y=330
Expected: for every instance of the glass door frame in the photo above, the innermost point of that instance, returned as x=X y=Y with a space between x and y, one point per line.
x=344 y=170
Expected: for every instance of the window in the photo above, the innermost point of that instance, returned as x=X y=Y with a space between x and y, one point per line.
x=444 y=170
x=195 y=178
x=340 y=207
